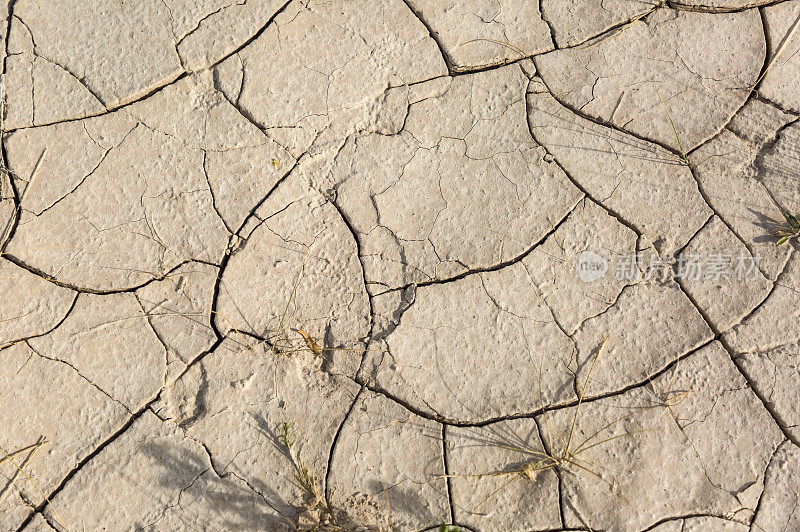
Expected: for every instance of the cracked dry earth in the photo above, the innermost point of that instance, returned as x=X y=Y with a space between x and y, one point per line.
x=367 y=220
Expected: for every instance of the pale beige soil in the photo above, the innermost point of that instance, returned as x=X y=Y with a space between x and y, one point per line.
x=398 y=264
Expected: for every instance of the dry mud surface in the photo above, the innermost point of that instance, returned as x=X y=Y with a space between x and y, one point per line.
x=497 y=265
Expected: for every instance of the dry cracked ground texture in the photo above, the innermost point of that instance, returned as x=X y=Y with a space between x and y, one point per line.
x=365 y=219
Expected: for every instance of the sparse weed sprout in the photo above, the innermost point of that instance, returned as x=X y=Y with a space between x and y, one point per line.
x=305 y=480
x=790 y=231
x=570 y=455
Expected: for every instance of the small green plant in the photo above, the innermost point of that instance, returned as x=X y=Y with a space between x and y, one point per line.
x=449 y=528
x=790 y=230
x=684 y=157
x=302 y=475
x=683 y=153
x=315 y=513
